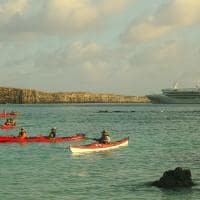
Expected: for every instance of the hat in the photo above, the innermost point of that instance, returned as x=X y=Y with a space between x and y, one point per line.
x=104 y=132
x=54 y=128
x=22 y=128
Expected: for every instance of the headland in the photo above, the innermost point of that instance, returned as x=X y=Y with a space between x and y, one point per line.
x=31 y=96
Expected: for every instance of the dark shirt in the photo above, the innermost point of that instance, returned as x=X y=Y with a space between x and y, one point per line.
x=22 y=134
x=104 y=140
x=52 y=134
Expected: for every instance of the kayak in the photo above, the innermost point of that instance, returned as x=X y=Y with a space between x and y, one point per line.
x=11 y=139
x=95 y=147
x=4 y=126
x=8 y=115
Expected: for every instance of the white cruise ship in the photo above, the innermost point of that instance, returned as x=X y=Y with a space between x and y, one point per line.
x=177 y=96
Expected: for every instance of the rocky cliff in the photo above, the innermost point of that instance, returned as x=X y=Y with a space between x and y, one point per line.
x=23 y=96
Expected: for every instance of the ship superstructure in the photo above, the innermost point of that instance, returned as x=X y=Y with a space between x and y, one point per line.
x=177 y=95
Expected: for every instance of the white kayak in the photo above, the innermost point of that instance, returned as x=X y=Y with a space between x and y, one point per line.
x=95 y=147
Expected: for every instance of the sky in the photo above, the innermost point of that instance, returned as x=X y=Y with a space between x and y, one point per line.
x=127 y=47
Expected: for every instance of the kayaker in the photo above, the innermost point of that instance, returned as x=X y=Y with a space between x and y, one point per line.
x=52 y=134
x=105 y=138
x=22 y=133
x=10 y=121
x=4 y=112
x=7 y=122
x=12 y=112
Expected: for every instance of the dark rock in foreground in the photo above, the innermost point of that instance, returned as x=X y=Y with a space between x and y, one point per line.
x=175 y=179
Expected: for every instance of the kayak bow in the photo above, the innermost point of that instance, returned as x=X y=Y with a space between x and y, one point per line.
x=8 y=115
x=4 y=126
x=11 y=139
x=94 y=147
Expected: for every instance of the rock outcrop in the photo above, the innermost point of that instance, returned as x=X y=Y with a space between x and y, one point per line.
x=175 y=179
x=27 y=96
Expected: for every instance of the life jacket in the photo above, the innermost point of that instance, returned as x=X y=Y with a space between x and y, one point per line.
x=23 y=134
x=52 y=134
x=104 y=139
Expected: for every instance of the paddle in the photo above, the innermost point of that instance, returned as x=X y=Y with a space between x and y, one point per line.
x=88 y=138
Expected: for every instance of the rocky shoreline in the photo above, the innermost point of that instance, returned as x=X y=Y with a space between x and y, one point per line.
x=29 y=96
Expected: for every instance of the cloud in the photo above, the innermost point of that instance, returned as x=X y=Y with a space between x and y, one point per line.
x=81 y=49
x=112 y=6
x=171 y=16
x=34 y=17
x=11 y=8
x=70 y=14
x=77 y=66
x=91 y=66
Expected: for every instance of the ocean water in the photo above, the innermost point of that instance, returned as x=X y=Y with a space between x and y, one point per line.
x=162 y=137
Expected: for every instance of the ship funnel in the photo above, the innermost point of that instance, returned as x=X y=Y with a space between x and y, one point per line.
x=198 y=84
x=176 y=85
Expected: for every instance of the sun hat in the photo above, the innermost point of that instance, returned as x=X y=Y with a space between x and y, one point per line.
x=104 y=132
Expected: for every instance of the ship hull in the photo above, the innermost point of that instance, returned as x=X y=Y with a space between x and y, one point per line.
x=162 y=99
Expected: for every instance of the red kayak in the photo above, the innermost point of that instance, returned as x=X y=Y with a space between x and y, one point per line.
x=4 y=126
x=11 y=139
x=95 y=147
x=8 y=115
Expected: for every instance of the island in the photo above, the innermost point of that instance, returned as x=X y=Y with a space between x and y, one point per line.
x=32 y=96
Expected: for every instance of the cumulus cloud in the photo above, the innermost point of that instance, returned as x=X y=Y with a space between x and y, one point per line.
x=10 y=8
x=87 y=63
x=77 y=66
x=56 y=16
x=70 y=14
x=91 y=66
x=171 y=16
x=91 y=61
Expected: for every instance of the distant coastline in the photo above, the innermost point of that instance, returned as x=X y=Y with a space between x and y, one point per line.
x=31 y=96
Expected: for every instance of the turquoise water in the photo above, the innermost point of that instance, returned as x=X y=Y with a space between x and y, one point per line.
x=162 y=137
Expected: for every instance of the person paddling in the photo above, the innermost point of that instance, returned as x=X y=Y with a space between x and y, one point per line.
x=10 y=121
x=22 y=133
x=52 y=134
x=105 y=138
x=13 y=113
x=4 y=112
x=7 y=122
